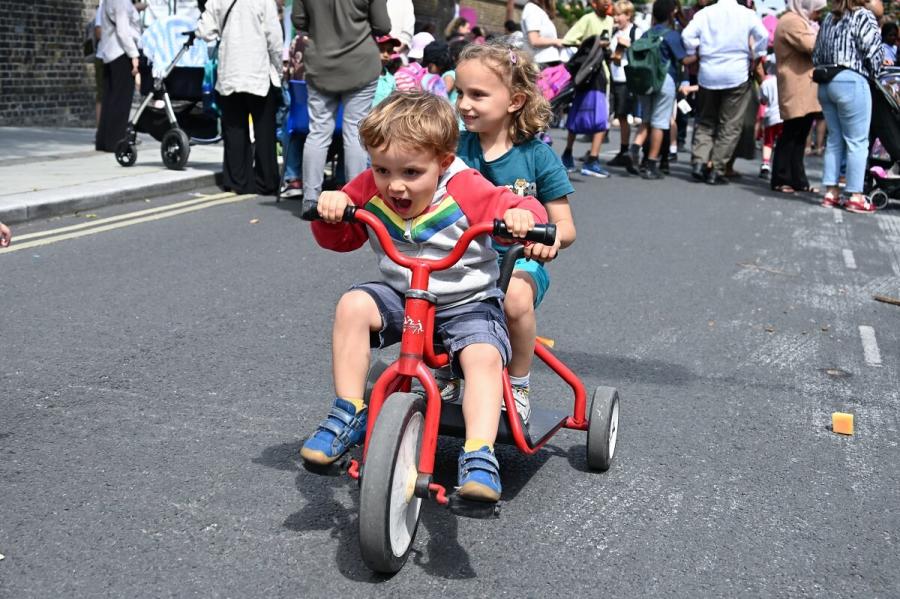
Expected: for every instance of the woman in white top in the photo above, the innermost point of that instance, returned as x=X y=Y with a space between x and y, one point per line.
x=120 y=35
x=248 y=85
x=540 y=32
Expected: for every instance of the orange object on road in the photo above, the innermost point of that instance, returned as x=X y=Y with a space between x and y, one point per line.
x=842 y=423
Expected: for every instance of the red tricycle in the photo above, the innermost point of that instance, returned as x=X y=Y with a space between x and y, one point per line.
x=397 y=465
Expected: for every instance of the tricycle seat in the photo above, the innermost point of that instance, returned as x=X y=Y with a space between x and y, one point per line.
x=541 y=426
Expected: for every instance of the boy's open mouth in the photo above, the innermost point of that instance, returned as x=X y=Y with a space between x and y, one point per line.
x=401 y=204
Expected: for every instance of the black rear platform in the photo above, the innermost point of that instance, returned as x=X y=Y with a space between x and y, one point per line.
x=542 y=424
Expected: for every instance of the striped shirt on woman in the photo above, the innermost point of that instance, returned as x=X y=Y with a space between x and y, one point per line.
x=853 y=41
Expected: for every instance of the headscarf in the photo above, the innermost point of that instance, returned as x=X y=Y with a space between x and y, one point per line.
x=805 y=8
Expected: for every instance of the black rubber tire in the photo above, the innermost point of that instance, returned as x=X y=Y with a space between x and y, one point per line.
x=175 y=149
x=879 y=199
x=375 y=539
x=376 y=368
x=126 y=153
x=603 y=425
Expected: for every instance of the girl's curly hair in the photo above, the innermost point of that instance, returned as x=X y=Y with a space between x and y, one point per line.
x=519 y=73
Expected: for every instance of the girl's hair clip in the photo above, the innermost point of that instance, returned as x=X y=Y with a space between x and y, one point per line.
x=512 y=57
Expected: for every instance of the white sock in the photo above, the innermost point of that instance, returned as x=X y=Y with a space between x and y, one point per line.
x=520 y=381
x=673 y=148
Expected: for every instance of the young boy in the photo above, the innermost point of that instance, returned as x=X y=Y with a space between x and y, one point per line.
x=772 y=123
x=623 y=101
x=427 y=198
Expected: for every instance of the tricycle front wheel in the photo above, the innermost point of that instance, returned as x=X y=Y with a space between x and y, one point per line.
x=388 y=508
x=603 y=428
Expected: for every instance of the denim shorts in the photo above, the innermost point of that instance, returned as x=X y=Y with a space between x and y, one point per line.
x=454 y=328
x=538 y=274
x=659 y=107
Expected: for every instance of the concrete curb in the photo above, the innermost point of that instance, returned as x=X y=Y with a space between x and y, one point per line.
x=44 y=204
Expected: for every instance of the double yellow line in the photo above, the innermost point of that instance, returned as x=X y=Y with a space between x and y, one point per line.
x=39 y=238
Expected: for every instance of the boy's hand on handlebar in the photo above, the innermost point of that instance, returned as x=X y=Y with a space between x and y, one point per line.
x=544 y=253
x=518 y=221
x=331 y=205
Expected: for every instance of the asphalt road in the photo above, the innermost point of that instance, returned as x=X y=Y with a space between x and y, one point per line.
x=157 y=379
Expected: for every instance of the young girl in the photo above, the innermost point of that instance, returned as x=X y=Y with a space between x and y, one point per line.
x=503 y=111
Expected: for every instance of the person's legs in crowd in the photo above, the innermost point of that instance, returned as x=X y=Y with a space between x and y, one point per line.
x=265 y=164
x=834 y=147
x=709 y=102
x=100 y=85
x=732 y=108
x=322 y=109
x=357 y=105
x=592 y=166
x=116 y=104
x=854 y=108
x=292 y=144
x=237 y=160
x=623 y=103
x=659 y=112
x=566 y=157
x=770 y=138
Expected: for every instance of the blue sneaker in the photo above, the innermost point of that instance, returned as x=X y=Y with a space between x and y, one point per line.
x=342 y=429
x=593 y=169
x=568 y=162
x=479 y=475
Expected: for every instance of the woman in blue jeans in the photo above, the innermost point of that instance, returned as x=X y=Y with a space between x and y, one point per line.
x=849 y=42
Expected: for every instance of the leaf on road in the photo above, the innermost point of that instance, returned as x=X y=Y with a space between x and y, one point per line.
x=826 y=328
x=91 y=215
x=770 y=328
x=254 y=221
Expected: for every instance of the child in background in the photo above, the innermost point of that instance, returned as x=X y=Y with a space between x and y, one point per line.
x=772 y=123
x=657 y=109
x=503 y=111
x=409 y=75
x=623 y=101
x=436 y=60
x=589 y=112
x=292 y=143
x=416 y=184
x=390 y=62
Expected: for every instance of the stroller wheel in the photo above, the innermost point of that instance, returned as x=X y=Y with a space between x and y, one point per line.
x=126 y=153
x=879 y=198
x=175 y=149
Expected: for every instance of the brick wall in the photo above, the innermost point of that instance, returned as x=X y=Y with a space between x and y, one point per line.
x=44 y=80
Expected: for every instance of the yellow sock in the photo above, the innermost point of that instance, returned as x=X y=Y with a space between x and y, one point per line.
x=476 y=444
x=357 y=403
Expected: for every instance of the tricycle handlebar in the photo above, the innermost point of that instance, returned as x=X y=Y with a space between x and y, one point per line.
x=545 y=234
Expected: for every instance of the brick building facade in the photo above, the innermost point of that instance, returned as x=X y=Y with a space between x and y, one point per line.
x=44 y=79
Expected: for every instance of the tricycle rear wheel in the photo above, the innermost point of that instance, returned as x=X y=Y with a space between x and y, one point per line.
x=388 y=509
x=603 y=428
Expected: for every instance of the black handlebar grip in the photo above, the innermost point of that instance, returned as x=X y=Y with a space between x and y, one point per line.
x=543 y=234
x=310 y=211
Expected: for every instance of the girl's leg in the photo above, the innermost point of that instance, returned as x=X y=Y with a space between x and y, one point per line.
x=355 y=317
x=520 y=318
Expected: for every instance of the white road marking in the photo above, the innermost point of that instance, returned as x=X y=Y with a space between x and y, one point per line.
x=870 y=346
x=849 y=260
x=838 y=216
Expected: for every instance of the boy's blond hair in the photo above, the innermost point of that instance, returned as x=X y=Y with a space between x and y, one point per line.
x=414 y=120
x=625 y=7
x=518 y=72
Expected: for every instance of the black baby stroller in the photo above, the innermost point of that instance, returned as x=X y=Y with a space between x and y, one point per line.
x=883 y=173
x=173 y=112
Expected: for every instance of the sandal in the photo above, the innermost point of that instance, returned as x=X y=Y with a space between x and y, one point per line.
x=830 y=201
x=784 y=189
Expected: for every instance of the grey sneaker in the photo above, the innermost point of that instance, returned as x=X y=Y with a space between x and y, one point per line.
x=523 y=405
x=449 y=389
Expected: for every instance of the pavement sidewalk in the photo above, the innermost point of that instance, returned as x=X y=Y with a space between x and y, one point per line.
x=47 y=171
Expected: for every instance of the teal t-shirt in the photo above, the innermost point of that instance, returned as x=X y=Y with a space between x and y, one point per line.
x=529 y=168
x=383 y=88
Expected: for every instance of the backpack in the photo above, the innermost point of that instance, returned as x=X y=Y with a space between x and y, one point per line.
x=646 y=70
x=410 y=76
x=552 y=80
x=415 y=76
x=89 y=42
